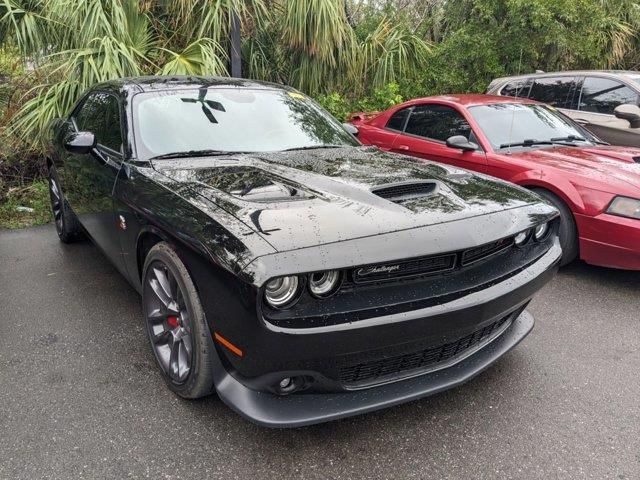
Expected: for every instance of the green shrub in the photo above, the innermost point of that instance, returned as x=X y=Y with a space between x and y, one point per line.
x=336 y=104
x=340 y=106
x=25 y=206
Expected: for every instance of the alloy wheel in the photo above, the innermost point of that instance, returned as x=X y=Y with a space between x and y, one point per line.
x=56 y=203
x=168 y=322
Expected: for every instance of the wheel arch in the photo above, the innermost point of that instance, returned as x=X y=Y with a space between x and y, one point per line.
x=190 y=253
x=147 y=238
x=565 y=191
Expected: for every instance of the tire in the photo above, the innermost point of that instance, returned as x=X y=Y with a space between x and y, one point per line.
x=67 y=225
x=174 y=314
x=567 y=232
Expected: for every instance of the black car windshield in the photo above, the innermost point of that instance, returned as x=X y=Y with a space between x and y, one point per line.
x=231 y=120
x=508 y=125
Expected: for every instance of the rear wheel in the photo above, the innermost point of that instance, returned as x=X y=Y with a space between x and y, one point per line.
x=176 y=324
x=567 y=232
x=67 y=225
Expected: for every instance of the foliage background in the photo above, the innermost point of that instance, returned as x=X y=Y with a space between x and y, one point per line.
x=352 y=55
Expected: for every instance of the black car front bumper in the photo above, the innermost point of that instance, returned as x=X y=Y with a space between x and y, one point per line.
x=271 y=410
x=504 y=300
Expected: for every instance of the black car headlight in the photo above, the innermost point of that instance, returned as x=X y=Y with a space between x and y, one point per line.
x=521 y=238
x=540 y=232
x=282 y=291
x=625 y=207
x=323 y=284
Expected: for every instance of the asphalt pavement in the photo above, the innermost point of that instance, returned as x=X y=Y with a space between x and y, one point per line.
x=80 y=396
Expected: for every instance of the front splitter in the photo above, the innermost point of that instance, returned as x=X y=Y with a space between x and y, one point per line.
x=275 y=411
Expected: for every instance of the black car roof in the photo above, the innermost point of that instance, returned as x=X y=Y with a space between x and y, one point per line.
x=170 y=82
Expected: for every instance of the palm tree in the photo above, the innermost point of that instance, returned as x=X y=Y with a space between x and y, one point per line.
x=73 y=44
x=309 y=44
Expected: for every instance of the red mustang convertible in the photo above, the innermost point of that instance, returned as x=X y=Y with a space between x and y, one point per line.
x=595 y=186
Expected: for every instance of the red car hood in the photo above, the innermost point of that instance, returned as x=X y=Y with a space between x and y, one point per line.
x=603 y=163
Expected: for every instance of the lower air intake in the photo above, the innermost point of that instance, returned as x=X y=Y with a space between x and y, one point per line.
x=391 y=368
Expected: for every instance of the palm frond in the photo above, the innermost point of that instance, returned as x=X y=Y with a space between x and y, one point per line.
x=23 y=21
x=47 y=103
x=202 y=57
x=390 y=52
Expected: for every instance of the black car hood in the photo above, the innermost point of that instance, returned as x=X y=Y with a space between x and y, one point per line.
x=306 y=198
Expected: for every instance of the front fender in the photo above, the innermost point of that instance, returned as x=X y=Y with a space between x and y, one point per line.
x=558 y=186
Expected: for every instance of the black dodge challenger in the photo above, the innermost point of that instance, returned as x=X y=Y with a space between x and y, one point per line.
x=299 y=275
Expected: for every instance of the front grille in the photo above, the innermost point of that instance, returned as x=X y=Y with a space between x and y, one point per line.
x=404 y=191
x=483 y=251
x=422 y=361
x=421 y=266
x=427 y=265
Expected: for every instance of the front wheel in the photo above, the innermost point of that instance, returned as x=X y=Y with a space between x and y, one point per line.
x=67 y=225
x=176 y=324
x=567 y=232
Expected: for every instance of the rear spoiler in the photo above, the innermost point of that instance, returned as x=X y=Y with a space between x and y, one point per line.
x=359 y=117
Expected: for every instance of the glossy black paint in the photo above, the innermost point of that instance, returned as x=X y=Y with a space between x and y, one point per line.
x=236 y=224
x=80 y=143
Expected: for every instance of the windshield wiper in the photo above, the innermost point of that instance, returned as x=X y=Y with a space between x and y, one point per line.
x=526 y=143
x=569 y=138
x=312 y=147
x=193 y=153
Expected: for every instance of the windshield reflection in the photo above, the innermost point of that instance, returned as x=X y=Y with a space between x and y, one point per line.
x=232 y=120
x=515 y=123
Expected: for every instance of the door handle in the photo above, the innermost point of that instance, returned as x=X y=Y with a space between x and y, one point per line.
x=403 y=147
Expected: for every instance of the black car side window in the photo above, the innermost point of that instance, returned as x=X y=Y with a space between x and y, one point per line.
x=100 y=114
x=437 y=122
x=556 y=91
x=399 y=119
x=602 y=95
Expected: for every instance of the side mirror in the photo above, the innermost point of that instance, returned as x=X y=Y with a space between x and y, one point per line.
x=80 y=142
x=352 y=129
x=628 y=112
x=461 y=143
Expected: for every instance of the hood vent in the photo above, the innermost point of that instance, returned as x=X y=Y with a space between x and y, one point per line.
x=251 y=184
x=405 y=190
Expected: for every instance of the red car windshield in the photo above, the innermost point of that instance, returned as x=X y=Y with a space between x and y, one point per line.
x=509 y=125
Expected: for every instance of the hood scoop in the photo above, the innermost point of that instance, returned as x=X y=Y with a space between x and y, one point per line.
x=251 y=184
x=402 y=191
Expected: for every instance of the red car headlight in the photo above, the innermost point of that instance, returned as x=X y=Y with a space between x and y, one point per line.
x=625 y=207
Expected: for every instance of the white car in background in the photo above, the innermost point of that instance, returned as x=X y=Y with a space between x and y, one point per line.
x=606 y=102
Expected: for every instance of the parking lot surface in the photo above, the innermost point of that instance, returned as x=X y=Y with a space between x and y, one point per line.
x=80 y=396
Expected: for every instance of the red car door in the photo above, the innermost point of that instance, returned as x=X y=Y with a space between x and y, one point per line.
x=426 y=132
x=382 y=138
